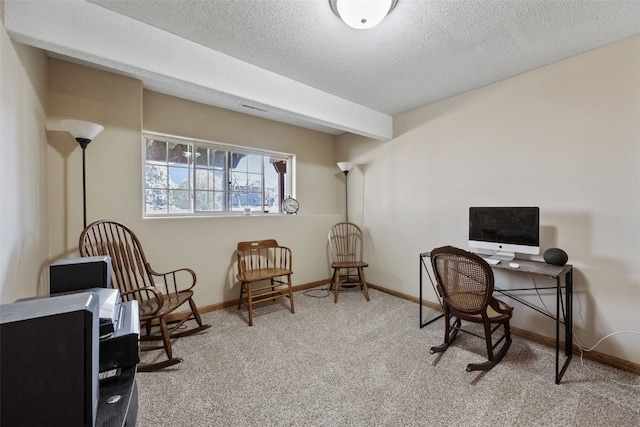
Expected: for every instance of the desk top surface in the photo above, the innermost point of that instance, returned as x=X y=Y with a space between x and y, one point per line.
x=528 y=266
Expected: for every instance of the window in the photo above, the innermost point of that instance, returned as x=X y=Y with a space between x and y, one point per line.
x=192 y=177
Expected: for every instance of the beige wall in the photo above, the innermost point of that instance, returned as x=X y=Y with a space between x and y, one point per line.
x=23 y=170
x=566 y=138
x=112 y=158
x=114 y=179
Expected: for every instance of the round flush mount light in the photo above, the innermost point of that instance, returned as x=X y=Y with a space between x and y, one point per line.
x=362 y=14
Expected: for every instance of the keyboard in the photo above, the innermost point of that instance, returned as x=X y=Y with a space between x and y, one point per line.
x=492 y=261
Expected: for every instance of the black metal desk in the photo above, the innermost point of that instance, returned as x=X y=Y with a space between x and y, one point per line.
x=423 y=267
x=564 y=306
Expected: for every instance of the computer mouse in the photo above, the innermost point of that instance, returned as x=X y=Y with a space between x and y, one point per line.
x=514 y=265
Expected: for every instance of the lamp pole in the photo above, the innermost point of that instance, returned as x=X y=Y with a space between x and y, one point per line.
x=346 y=194
x=83 y=144
x=345 y=167
x=83 y=132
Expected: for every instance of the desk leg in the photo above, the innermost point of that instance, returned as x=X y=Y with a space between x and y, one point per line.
x=558 y=304
x=568 y=323
x=421 y=265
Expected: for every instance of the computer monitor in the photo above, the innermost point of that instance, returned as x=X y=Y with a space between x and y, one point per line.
x=501 y=232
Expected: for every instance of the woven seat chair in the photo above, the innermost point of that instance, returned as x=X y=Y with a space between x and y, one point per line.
x=346 y=246
x=136 y=280
x=465 y=283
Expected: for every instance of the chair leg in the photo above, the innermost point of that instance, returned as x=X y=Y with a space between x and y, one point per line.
x=488 y=341
x=290 y=293
x=450 y=334
x=363 y=282
x=493 y=358
x=196 y=313
x=147 y=327
x=166 y=339
x=241 y=293
x=246 y=288
x=336 y=284
x=164 y=332
x=196 y=316
x=333 y=279
x=250 y=304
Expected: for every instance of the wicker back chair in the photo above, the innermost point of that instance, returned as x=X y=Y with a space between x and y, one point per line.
x=267 y=262
x=346 y=247
x=158 y=294
x=465 y=283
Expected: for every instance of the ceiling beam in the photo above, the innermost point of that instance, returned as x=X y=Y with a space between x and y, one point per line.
x=170 y=64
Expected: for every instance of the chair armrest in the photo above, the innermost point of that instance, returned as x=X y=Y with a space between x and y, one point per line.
x=182 y=279
x=495 y=304
x=242 y=267
x=138 y=295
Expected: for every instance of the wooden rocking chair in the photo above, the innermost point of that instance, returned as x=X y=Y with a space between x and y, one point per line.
x=136 y=280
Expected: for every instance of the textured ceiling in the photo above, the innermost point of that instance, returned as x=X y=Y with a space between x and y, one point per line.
x=423 y=52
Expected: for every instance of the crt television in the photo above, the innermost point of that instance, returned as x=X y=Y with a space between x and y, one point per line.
x=500 y=232
x=49 y=354
x=76 y=274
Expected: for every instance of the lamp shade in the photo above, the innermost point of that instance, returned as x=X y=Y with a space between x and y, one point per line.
x=362 y=14
x=81 y=129
x=345 y=166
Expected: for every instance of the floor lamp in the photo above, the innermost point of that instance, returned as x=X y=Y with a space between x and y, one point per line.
x=345 y=167
x=83 y=132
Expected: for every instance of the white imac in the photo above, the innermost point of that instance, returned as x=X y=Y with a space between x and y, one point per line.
x=501 y=232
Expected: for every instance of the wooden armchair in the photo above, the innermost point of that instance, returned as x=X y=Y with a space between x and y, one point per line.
x=158 y=294
x=263 y=261
x=465 y=283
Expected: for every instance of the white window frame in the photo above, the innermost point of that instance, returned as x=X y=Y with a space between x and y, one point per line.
x=192 y=168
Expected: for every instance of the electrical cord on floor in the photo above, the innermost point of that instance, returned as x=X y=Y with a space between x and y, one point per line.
x=308 y=293
x=583 y=350
x=587 y=350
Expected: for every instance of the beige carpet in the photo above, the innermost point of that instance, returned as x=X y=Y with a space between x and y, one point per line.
x=368 y=364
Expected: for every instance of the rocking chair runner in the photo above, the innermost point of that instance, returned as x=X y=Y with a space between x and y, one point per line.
x=465 y=283
x=135 y=279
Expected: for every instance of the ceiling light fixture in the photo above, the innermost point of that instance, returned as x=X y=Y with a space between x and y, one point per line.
x=362 y=14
